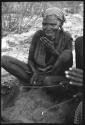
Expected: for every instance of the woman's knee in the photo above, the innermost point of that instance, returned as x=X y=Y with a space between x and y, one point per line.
x=5 y=60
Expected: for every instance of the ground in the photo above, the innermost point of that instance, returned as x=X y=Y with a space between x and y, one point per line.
x=27 y=107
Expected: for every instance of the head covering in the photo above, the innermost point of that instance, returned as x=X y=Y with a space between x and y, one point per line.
x=55 y=11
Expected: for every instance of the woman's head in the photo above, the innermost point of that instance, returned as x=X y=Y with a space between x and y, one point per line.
x=53 y=19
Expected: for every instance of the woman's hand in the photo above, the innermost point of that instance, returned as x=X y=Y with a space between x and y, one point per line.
x=34 y=78
x=75 y=75
x=49 y=44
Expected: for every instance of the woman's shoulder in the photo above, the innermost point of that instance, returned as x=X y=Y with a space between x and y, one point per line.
x=67 y=34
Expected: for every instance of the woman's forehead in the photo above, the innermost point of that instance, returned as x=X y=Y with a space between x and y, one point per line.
x=51 y=19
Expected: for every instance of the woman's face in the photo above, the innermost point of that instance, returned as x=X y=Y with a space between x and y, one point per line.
x=50 y=25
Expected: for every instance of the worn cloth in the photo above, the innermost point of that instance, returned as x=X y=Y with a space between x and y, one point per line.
x=78 y=114
x=43 y=57
x=55 y=11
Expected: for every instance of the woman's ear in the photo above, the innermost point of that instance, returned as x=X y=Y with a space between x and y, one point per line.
x=61 y=26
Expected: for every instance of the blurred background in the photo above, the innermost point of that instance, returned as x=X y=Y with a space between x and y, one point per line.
x=18 y=17
x=20 y=20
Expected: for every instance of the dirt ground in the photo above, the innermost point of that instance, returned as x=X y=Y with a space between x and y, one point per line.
x=31 y=106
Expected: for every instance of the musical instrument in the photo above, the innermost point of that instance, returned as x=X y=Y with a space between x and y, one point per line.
x=74 y=54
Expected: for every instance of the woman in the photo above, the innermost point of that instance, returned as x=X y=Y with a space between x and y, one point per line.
x=49 y=54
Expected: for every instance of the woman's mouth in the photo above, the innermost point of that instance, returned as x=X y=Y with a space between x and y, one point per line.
x=49 y=32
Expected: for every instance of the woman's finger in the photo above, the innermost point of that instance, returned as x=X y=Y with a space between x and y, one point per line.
x=34 y=79
x=75 y=83
x=31 y=80
x=73 y=73
x=80 y=71
x=74 y=78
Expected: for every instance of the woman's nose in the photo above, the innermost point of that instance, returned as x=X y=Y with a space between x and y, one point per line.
x=48 y=26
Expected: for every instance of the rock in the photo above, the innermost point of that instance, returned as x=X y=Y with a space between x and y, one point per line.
x=4 y=44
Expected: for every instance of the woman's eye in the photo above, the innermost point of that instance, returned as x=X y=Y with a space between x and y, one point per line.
x=53 y=24
x=44 y=24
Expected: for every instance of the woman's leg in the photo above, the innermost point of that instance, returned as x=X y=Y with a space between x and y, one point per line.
x=63 y=62
x=16 y=67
